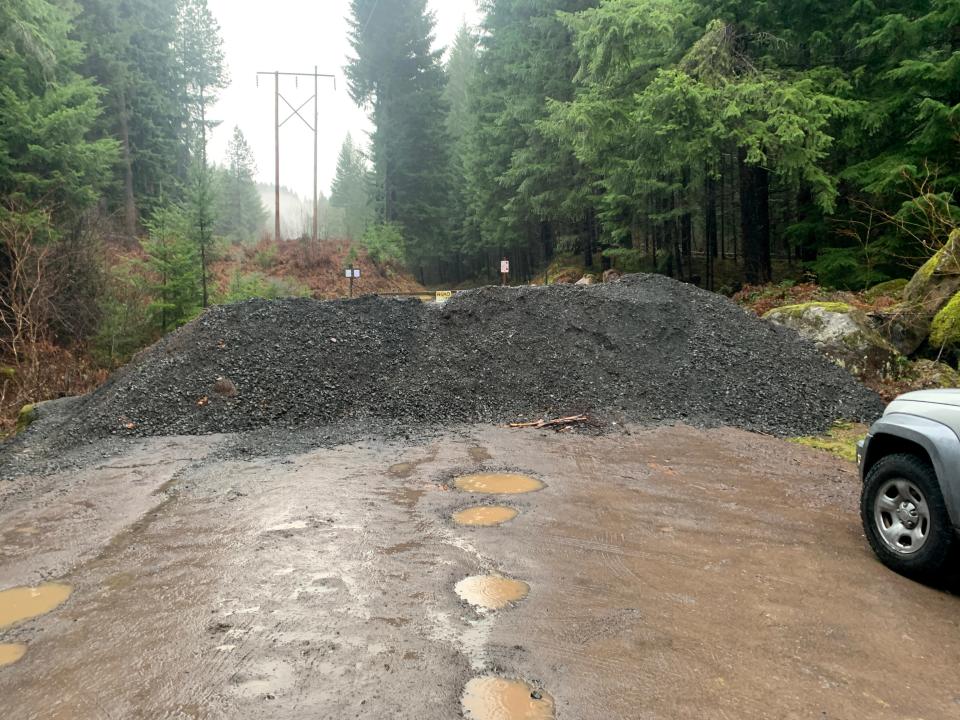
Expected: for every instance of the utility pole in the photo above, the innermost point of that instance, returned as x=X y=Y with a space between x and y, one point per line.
x=315 y=127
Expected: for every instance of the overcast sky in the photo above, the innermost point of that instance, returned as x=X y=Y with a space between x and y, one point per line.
x=295 y=35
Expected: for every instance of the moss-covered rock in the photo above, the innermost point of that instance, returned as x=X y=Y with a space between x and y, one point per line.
x=945 y=329
x=28 y=414
x=890 y=288
x=801 y=309
x=908 y=324
x=938 y=280
x=842 y=333
x=930 y=374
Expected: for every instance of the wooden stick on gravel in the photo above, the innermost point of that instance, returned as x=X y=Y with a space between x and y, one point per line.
x=552 y=423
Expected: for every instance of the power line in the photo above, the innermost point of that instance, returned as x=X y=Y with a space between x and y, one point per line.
x=370 y=16
x=316 y=133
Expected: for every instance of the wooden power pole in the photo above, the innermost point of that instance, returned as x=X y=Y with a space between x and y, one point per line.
x=315 y=127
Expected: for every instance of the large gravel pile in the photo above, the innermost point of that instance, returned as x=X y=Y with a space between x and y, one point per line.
x=645 y=349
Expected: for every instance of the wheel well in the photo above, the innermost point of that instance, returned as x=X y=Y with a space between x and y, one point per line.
x=883 y=444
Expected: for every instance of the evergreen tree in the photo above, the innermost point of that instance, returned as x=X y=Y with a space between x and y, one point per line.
x=172 y=268
x=200 y=54
x=130 y=52
x=398 y=77
x=47 y=112
x=349 y=189
x=526 y=187
x=240 y=213
x=462 y=67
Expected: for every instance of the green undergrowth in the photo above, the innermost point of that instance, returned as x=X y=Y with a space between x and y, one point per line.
x=840 y=440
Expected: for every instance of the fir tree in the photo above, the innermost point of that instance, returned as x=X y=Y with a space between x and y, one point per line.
x=349 y=189
x=240 y=213
x=398 y=77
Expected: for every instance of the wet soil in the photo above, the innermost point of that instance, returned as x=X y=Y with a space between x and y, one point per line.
x=673 y=573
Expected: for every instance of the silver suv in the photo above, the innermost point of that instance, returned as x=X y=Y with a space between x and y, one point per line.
x=910 y=466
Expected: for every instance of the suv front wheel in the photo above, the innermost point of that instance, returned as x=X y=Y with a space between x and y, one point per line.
x=905 y=518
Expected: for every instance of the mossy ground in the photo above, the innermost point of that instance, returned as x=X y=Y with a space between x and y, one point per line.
x=840 y=440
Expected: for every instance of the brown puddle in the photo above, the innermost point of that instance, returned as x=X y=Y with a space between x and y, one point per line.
x=23 y=603
x=498 y=484
x=491 y=592
x=9 y=654
x=485 y=516
x=493 y=698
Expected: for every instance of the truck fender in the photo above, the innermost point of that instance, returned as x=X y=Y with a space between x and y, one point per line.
x=938 y=440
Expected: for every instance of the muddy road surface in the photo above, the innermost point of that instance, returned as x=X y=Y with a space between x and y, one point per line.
x=662 y=573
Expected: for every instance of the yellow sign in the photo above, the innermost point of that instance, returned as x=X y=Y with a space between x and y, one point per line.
x=444 y=295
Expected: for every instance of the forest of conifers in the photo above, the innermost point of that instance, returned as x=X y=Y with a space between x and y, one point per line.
x=670 y=135
x=715 y=141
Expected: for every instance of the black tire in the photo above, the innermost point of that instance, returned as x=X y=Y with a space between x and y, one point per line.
x=929 y=562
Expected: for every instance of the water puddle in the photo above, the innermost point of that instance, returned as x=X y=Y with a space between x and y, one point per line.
x=498 y=484
x=19 y=604
x=491 y=592
x=493 y=698
x=9 y=654
x=485 y=516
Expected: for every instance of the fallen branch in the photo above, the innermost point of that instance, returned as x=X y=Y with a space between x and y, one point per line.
x=558 y=423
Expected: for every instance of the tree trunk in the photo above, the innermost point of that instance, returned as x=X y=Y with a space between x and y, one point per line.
x=711 y=226
x=755 y=220
x=129 y=202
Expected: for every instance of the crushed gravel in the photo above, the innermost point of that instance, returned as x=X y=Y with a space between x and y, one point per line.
x=646 y=349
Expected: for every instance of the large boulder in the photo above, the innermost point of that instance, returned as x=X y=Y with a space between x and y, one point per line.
x=945 y=328
x=907 y=325
x=842 y=333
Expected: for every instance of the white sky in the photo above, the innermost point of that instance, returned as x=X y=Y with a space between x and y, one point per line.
x=293 y=36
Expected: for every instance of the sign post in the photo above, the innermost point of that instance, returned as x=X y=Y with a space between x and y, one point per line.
x=352 y=273
x=504 y=270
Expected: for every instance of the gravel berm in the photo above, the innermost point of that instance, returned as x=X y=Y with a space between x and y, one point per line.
x=645 y=349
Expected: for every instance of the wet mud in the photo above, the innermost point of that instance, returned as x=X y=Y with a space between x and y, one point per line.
x=675 y=574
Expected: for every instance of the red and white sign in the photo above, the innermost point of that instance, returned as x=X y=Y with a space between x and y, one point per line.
x=505 y=267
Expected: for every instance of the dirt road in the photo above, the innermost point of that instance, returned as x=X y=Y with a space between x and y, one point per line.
x=672 y=573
